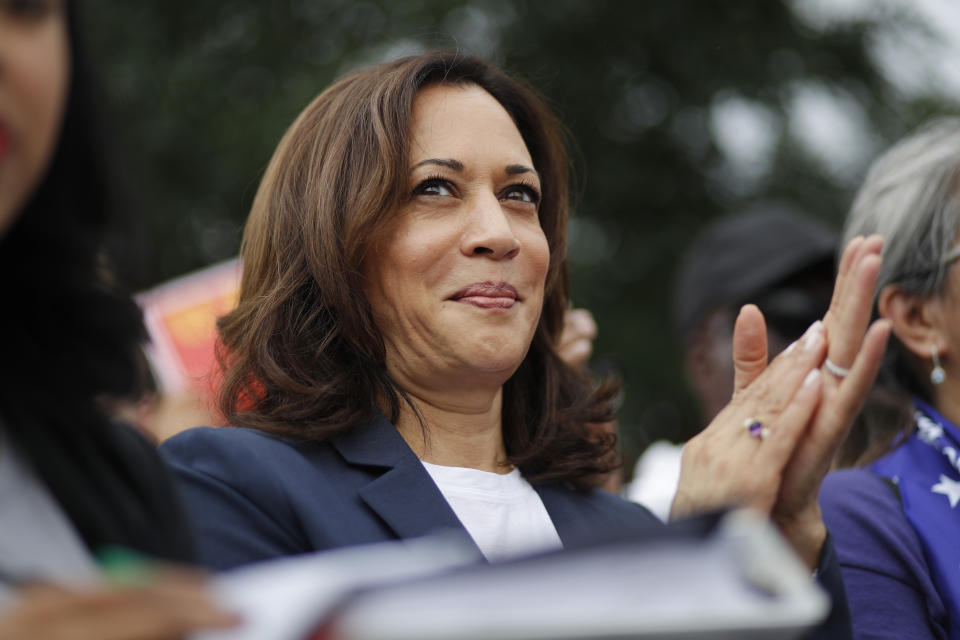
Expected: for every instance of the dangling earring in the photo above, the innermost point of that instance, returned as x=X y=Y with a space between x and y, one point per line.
x=938 y=375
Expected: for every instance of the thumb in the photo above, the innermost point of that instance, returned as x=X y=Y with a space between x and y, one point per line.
x=749 y=347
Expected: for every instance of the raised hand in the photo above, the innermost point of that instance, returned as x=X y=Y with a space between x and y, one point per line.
x=738 y=460
x=576 y=340
x=803 y=406
x=853 y=358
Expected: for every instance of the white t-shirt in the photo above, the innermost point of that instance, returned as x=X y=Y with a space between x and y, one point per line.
x=502 y=512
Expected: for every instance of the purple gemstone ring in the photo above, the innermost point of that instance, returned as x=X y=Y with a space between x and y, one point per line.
x=756 y=429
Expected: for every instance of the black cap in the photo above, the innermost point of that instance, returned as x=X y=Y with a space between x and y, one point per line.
x=738 y=258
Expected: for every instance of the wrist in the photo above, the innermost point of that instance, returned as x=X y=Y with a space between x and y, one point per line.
x=806 y=534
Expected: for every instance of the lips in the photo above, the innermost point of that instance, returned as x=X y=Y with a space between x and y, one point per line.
x=488 y=295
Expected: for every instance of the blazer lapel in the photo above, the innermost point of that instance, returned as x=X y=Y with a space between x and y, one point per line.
x=404 y=495
x=573 y=531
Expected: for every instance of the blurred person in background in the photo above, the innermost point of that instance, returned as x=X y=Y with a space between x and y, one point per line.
x=575 y=347
x=72 y=482
x=896 y=514
x=770 y=256
x=392 y=366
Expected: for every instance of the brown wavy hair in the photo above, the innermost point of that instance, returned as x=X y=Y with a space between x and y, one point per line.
x=301 y=354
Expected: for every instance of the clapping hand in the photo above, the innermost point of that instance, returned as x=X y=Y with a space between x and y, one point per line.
x=771 y=446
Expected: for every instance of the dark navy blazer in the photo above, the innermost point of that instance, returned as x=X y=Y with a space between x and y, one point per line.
x=253 y=496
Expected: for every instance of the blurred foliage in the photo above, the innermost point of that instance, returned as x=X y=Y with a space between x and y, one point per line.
x=201 y=92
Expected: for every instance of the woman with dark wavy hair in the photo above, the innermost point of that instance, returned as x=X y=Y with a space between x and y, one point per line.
x=392 y=363
x=305 y=349
x=73 y=483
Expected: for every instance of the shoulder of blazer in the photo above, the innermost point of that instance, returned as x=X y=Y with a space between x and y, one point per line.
x=240 y=453
x=371 y=462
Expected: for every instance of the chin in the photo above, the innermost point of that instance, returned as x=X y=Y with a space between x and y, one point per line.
x=497 y=358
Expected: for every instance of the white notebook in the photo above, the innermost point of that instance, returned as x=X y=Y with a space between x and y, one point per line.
x=740 y=581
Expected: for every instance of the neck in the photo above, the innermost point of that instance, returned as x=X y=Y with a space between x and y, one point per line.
x=946 y=399
x=455 y=433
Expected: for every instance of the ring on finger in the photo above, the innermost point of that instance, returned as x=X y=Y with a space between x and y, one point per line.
x=756 y=429
x=835 y=369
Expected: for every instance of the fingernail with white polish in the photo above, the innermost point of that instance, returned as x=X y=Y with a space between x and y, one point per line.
x=814 y=336
x=811 y=378
x=791 y=348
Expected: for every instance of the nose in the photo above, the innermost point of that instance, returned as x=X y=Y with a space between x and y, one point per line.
x=489 y=232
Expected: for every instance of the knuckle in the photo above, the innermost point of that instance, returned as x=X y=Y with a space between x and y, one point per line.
x=759 y=389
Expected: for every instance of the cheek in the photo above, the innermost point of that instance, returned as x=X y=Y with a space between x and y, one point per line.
x=35 y=74
x=421 y=254
x=538 y=250
x=952 y=319
x=45 y=89
x=401 y=262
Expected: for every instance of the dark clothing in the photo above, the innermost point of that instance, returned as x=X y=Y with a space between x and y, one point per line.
x=111 y=483
x=254 y=496
x=887 y=578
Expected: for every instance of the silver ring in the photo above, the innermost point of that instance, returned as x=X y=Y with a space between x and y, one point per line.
x=756 y=429
x=835 y=369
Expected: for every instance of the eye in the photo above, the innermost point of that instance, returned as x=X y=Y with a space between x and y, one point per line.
x=521 y=193
x=434 y=186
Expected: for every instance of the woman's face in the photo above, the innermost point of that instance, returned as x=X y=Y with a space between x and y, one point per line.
x=34 y=72
x=456 y=280
x=949 y=321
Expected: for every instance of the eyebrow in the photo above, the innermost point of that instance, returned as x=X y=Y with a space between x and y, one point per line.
x=456 y=165
x=515 y=169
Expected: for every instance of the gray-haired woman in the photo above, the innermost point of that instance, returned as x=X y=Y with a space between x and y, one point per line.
x=896 y=516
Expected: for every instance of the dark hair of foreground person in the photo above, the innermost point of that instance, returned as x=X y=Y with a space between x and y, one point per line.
x=72 y=342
